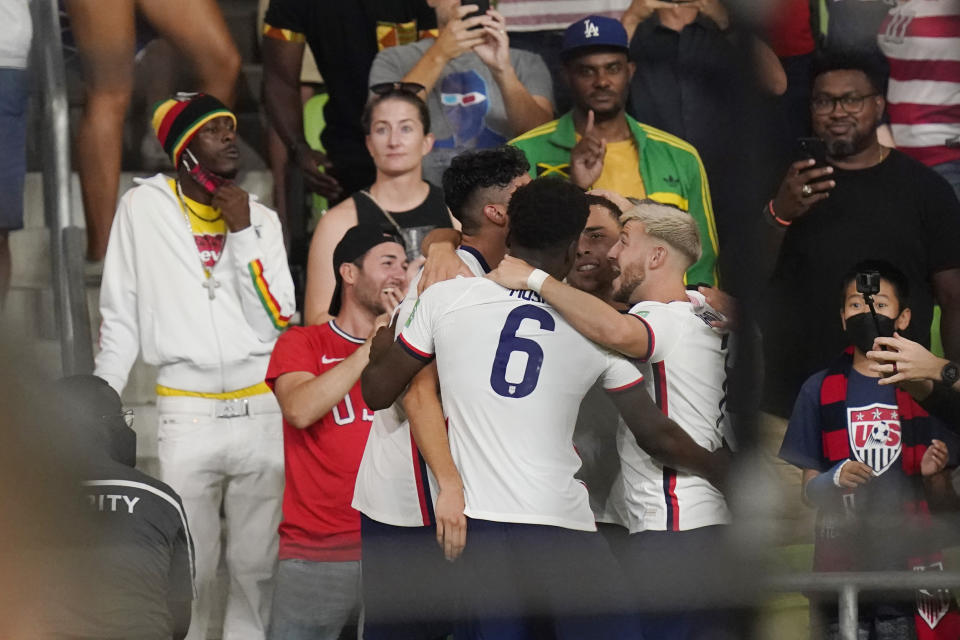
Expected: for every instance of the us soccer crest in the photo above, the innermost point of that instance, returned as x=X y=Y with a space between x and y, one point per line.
x=875 y=437
x=932 y=604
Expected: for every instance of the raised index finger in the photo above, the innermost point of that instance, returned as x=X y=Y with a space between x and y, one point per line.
x=589 y=128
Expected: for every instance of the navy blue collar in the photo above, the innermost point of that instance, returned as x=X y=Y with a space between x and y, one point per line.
x=479 y=256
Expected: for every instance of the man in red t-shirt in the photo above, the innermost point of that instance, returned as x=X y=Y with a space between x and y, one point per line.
x=315 y=373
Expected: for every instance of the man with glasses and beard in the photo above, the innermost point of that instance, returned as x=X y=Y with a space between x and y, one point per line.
x=861 y=200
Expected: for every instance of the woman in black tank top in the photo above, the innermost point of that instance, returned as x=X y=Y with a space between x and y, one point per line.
x=400 y=201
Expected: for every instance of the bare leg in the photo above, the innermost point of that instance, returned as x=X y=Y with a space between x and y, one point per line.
x=104 y=32
x=197 y=29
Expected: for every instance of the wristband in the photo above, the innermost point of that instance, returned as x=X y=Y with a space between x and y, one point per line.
x=773 y=214
x=536 y=279
x=822 y=490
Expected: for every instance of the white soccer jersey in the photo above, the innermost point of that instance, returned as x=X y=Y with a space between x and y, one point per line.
x=392 y=482
x=512 y=376
x=686 y=376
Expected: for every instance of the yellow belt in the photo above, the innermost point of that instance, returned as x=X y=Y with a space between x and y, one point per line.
x=246 y=392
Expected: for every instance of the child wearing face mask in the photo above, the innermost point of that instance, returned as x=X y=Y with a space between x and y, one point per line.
x=874 y=465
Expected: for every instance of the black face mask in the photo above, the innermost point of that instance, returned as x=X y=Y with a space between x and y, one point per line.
x=861 y=330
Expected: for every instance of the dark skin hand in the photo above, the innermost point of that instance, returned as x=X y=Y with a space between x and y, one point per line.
x=586 y=158
x=281 y=96
x=790 y=203
x=666 y=441
x=234 y=204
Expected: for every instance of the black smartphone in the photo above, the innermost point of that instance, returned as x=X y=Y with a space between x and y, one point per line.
x=482 y=7
x=813 y=148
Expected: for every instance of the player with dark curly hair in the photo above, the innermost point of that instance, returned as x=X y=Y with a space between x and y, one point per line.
x=471 y=176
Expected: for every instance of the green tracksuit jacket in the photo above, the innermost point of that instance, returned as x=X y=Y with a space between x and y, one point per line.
x=671 y=169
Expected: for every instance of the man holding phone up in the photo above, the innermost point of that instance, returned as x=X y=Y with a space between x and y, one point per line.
x=859 y=200
x=480 y=91
x=196 y=279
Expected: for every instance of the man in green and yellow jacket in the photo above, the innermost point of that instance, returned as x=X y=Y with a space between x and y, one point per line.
x=597 y=145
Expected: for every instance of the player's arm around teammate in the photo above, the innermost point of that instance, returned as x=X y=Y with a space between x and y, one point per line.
x=425 y=412
x=666 y=441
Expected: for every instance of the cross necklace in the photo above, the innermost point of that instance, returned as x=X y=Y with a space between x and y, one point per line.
x=210 y=283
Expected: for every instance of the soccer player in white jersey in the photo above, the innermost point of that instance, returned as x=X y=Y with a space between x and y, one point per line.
x=512 y=376
x=672 y=515
x=406 y=581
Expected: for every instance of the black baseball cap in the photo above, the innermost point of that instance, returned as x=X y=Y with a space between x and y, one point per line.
x=355 y=244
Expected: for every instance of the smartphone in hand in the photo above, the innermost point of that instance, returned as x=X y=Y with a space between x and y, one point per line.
x=483 y=6
x=813 y=148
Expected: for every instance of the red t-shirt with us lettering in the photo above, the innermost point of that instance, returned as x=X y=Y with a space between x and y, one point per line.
x=322 y=460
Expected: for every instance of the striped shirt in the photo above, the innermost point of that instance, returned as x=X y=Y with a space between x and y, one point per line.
x=921 y=39
x=545 y=15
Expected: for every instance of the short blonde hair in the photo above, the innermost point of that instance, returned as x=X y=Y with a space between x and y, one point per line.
x=675 y=227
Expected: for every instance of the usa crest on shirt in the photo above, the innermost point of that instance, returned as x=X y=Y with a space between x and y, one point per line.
x=875 y=436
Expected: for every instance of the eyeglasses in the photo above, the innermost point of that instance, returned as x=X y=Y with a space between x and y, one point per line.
x=852 y=104
x=127 y=416
x=383 y=88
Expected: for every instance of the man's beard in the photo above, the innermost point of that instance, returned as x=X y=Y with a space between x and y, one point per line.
x=843 y=148
x=369 y=298
x=630 y=279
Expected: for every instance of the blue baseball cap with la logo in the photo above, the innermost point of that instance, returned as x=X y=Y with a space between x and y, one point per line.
x=594 y=31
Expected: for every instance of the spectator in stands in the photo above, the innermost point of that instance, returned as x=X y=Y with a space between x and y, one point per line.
x=597 y=145
x=852 y=25
x=872 y=462
x=196 y=278
x=867 y=200
x=315 y=373
x=344 y=38
x=933 y=382
x=127 y=564
x=538 y=25
x=399 y=201
x=789 y=30
x=921 y=41
x=16 y=32
x=704 y=78
x=105 y=41
x=480 y=92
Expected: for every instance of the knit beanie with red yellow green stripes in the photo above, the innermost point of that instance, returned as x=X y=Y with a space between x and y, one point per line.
x=178 y=119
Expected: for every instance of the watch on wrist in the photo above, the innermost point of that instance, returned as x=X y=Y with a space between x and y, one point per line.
x=950 y=373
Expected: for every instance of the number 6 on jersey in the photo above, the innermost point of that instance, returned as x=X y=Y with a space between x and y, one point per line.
x=510 y=343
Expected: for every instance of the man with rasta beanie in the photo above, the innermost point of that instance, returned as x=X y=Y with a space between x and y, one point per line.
x=196 y=279
x=875 y=466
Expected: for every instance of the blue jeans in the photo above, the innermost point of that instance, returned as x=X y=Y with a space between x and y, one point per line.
x=951 y=173
x=314 y=600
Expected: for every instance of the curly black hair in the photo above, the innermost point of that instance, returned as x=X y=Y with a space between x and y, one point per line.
x=547 y=213
x=836 y=60
x=472 y=171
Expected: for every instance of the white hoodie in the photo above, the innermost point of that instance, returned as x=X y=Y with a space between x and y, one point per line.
x=152 y=297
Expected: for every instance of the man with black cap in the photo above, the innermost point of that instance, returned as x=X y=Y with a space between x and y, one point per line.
x=196 y=279
x=315 y=374
x=126 y=563
x=597 y=145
